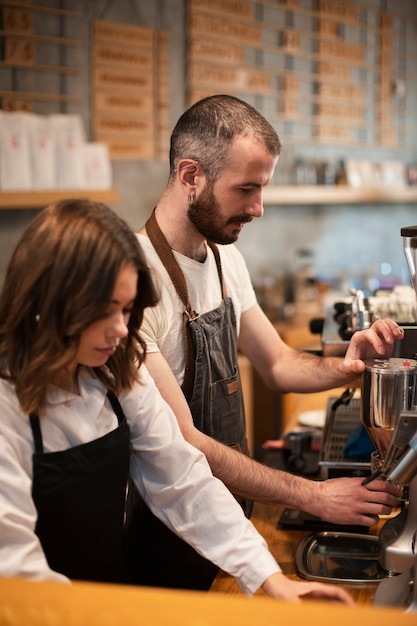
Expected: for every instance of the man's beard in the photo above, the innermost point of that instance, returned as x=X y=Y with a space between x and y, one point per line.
x=205 y=215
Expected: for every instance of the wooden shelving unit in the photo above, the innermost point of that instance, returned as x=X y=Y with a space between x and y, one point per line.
x=279 y=195
x=338 y=194
x=322 y=82
x=40 y=199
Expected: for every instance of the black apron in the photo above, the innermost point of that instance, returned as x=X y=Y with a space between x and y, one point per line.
x=79 y=495
x=213 y=390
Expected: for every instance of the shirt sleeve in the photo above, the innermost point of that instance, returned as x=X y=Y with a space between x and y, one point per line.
x=176 y=482
x=148 y=329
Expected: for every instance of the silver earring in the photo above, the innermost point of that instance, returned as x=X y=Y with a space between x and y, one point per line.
x=37 y=318
x=191 y=199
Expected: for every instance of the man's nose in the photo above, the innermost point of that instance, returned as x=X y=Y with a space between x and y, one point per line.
x=256 y=207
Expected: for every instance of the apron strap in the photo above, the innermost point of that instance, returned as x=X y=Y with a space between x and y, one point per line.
x=116 y=406
x=164 y=252
x=36 y=432
x=219 y=267
x=36 y=427
x=168 y=260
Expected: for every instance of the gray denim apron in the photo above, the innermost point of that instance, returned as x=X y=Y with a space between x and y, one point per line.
x=213 y=390
x=216 y=401
x=211 y=382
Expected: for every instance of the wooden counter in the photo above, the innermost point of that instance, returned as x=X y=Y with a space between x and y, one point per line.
x=283 y=545
x=25 y=603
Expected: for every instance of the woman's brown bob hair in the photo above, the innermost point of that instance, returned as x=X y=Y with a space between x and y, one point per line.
x=59 y=281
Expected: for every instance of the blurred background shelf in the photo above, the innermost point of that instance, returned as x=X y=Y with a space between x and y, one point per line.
x=40 y=199
x=337 y=194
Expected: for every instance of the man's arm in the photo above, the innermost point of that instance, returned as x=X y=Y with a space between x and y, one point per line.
x=342 y=500
x=285 y=369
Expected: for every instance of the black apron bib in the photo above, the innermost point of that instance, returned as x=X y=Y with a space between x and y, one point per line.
x=79 y=495
x=213 y=391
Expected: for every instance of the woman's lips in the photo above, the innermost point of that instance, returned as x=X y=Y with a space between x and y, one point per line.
x=107 y=351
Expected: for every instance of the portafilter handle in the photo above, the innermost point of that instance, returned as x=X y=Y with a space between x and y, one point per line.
x=409 y=235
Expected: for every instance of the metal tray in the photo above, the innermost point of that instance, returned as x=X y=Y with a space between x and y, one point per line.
x=339 y=557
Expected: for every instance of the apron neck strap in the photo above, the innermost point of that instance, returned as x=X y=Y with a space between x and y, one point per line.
x=36 y=427
x=219 y=267
x=166 y=255
x=116 y=406
x=36 y=432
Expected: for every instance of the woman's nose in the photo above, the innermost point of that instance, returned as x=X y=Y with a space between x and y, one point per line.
x=119 y=327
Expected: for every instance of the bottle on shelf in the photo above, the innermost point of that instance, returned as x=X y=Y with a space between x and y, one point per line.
x=340 y=177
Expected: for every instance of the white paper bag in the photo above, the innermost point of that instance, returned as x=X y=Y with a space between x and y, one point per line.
x=69 y=141
x=42 y=152
x=97 y=166
x=15 y=170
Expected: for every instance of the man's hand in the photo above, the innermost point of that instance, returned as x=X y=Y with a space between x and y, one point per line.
x=348 y=501
x=376 y=342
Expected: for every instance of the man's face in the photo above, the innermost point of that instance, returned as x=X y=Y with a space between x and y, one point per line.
x=221 y=209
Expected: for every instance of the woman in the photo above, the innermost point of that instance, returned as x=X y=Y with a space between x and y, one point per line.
x=78 y=417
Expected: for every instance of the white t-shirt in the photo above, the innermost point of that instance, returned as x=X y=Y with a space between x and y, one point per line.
x=162 y=327
x=172 y=476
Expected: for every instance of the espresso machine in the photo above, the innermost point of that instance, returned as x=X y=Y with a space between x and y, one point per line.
x=389 y=414
x=388 y=410
x=398 y=538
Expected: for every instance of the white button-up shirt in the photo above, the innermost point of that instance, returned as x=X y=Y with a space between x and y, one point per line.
x=172 y=476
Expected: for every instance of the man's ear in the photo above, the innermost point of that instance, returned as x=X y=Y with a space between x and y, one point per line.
x=187 y=170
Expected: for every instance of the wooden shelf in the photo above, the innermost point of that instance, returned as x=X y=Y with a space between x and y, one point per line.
x=337 y=194
x=40 y=199
x=16 y=4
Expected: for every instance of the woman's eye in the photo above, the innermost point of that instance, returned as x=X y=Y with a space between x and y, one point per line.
x=108 y=314
x=126 y=312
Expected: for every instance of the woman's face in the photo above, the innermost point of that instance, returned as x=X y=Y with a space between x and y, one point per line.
x=100 y=340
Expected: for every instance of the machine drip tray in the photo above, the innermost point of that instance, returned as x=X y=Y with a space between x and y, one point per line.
x=339 y=557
